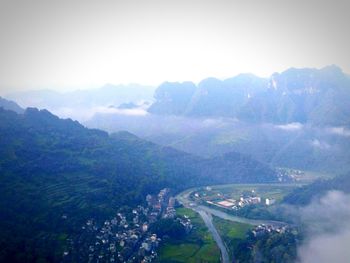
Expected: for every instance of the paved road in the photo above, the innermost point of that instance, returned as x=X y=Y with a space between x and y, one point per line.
x=206 y=214
x=208 y=220
x=239 y=219
x=184 y=200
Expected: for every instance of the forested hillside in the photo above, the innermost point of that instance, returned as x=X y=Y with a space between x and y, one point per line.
x=51 y=167
x=304 y=195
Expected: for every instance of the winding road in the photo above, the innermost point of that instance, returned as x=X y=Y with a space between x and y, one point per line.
x=206 y=214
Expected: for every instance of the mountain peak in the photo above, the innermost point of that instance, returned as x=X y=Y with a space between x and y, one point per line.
x=42 y=113
x=332 y=69
x=210 y=82
x=10 y=105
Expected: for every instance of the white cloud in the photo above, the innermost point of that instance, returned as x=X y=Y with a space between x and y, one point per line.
x=320 y=144
x=129 y=112
x=342 y=131
x=327 y=248
x=294 y=126
x=84 y=114
x=328 y=231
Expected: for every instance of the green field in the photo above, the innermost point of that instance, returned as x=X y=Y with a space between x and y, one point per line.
x=228 y=137
x=197 y=246
x=231 y=232
x=310 y=176
x=275 y=191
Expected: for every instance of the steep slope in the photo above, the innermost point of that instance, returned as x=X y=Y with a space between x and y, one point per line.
x=319 y=97
x=212 y=97
x=304 y=195
x=314 y=96
x=10 y=105
x=172 y=98
x=51 y=167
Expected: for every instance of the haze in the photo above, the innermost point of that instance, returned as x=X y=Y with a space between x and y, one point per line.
x=65 y=45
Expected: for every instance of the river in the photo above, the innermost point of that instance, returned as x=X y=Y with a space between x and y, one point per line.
x=206 y=214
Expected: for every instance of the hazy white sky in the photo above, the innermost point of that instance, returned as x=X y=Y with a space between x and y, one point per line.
x=75 y=44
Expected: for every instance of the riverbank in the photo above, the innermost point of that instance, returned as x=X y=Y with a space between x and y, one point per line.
x=207 y=212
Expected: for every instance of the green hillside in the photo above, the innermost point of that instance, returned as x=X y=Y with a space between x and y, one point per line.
x=51 y=167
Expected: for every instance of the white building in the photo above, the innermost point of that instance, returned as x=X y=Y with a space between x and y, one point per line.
x=270 y=201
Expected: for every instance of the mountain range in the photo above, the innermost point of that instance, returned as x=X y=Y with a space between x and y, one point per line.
x=313 y=96
x=217 y=132
x=107 y=95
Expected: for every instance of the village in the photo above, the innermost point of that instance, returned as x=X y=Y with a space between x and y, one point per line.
x=289 y=175
x=127 y=237
x=263 y=229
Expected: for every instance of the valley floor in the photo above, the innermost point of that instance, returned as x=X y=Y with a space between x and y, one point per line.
x=227 y=227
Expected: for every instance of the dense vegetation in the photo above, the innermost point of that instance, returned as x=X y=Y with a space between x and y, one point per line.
x=168 y=228
x=232 y=233
x=197 y=246
x=304 y=195
x=268 y=248
x=265 y=247
x=55 y=174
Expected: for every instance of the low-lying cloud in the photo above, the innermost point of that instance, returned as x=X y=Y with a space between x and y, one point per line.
x=327 y=248
x=327 y=230
x=84 y=114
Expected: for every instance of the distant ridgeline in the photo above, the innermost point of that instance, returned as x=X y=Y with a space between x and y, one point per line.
x=10 y=105
x=50 y=167
x=319 y=97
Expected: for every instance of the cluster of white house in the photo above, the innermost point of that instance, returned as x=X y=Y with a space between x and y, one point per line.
x=241 y=202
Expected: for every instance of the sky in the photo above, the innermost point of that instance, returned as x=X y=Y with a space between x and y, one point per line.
x=66 y=45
